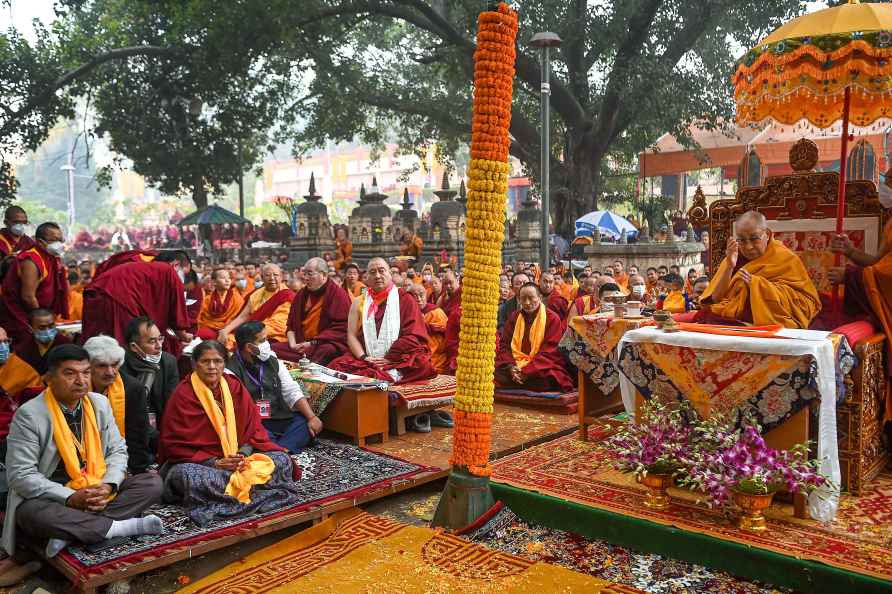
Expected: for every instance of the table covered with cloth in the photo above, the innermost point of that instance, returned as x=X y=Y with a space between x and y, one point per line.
x=773 y=378
x=590 y=342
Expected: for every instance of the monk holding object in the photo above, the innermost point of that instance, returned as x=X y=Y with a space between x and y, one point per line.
x=760 y=281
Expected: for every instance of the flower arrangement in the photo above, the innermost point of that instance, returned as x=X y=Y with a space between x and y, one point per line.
x=488 y=186
x=726 y=458
x=658 y=443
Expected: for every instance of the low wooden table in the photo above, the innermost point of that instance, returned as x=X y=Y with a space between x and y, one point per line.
x=359 y=414
x=593 y=404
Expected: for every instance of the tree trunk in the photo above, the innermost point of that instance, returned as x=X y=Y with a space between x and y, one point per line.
x=199 y=193
x=577 y=195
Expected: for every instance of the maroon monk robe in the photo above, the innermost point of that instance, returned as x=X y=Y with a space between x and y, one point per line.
x=556 y=303
x=450 y=304
x=192 y=311
x=409 y=354
x=331 y=341
x=124 y=258
x=134 y=289
x=10 y=245
x=453 y=326
x=51 y=293
x=546 y=372
x=187 y=434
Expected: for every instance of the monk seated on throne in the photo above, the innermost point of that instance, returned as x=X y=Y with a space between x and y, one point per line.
x=760 y=281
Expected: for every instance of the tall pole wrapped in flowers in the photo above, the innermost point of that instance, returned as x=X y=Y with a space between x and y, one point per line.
x=467 y=491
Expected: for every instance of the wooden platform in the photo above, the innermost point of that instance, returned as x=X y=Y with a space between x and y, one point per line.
x=514 y=429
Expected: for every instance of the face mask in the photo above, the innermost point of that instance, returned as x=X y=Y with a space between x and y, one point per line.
x=182 y=276
x=45 y=336
x=153 y=359
x=17 y=229
x=638 y=289
x=56 y=248
x=264 y=351
x=258 y=284
x=241 y=283
x=4 y=352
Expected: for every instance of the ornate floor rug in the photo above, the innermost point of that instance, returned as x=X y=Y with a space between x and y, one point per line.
x=355 y=552
x=858 y=540
x=329 y=470
x=505 y=531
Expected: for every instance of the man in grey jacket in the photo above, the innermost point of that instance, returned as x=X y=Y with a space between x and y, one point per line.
x=40 y=503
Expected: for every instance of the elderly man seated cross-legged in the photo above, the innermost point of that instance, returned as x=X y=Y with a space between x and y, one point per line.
x=221 y=305
x=317 y=324
x=283 y=409
x=386 y=332
x=67 y=466
x=528 y=357
x=760 y=281
x=269 y=304
x=126 y=397
x=217 y=458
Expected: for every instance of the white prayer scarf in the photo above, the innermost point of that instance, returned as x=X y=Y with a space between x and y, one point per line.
x=377 y=343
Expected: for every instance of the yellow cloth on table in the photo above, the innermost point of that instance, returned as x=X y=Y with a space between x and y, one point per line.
x=258 y=467
x=356 y=552
x=117 y=400
x=537 y=335
x=780 y=291
x=71 y=451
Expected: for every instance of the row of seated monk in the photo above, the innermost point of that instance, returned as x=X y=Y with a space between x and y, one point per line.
x=103 y=432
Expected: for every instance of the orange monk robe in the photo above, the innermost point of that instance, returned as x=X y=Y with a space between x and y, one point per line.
x=276 y=320
x=587 y=304
x=219 y=309
x=878 y=286
x=413 y=248
x=22 y=375
x=780 y=291
x=435 y=319
x=568 y=292
x=622 y=281
x=343 y=253
x=75 y=307
x=357 y=288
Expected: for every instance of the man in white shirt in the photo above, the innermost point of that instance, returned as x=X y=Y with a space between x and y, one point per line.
x=283 y=408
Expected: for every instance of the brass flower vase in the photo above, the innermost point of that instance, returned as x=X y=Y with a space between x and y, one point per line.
x=656 y=498
x=752 y=506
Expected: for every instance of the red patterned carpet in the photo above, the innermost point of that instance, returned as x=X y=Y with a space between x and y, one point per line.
x=859 y=540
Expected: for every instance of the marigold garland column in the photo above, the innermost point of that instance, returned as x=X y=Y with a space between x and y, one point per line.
x=468 y=488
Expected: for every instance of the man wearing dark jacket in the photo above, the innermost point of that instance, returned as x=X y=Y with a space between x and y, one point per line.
x=511 y=305
x=151 y=368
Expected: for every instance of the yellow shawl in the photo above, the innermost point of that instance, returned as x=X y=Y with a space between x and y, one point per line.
x=72 y=451
x=537 y=335
x=116 y=398
x=258 y=467
x=780 y=291
x=674 y=302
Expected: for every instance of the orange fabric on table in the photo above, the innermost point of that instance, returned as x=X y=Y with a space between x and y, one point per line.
x=310 y=321
x=779 y=292
x=878 y=283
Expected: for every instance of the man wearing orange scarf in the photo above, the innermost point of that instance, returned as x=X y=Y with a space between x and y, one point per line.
x=317 y=323
x=386 y=334
x=868 y=291
x=435 y=319
x=269 y=304
x=528 y=358
x=587 y=302
x=66 y=466
x=352 y=284
x=620 y=276
x=220 y=306
x=760 y=281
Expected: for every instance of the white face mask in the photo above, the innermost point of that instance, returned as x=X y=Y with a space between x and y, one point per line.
x=182 y=276
x=153 y=359
x=241 y=283
x=17 y=229
x=638 y=289
x=56 y=248
x=264 y=351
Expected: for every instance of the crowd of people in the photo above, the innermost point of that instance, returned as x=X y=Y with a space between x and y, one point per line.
x=96 y=428
x=173 y=236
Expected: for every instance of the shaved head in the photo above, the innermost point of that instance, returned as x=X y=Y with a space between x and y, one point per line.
x=378 y=275
x=752 y=218
x=752 y=234
x=317 y=264
x=271 y=275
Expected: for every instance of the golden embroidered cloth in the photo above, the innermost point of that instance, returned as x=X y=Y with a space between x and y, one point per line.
x=601 y=332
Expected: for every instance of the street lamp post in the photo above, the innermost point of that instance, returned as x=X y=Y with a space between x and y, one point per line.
x=544 y=42
x=69 y=169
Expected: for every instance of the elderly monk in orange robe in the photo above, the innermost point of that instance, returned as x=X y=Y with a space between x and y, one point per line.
x=552 y=297
x=411 y=246
x=317 y=324
x=435 y=319
x=269 y=304
x=36 y=279
x=868 y=291
x=450 y=299
x=587 y=301
x=759 y=281
x=528 y=358
x=386 y=333
x=126 y=291
x=343 y=249
x=220 y=306
x=352 y=284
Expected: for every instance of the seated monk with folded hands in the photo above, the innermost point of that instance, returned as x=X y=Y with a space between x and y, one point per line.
x=528 y=358
x=220 y=307
x=760 y=281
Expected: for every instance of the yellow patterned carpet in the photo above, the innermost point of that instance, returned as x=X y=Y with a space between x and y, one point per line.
x=357 y=552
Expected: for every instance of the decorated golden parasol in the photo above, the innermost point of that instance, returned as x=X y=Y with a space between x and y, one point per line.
x=821 y=67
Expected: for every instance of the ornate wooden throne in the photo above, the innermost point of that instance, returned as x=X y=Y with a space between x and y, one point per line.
x=801 y=212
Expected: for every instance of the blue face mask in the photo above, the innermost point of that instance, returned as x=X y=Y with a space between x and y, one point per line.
x=45 y=336
x=4 y=352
